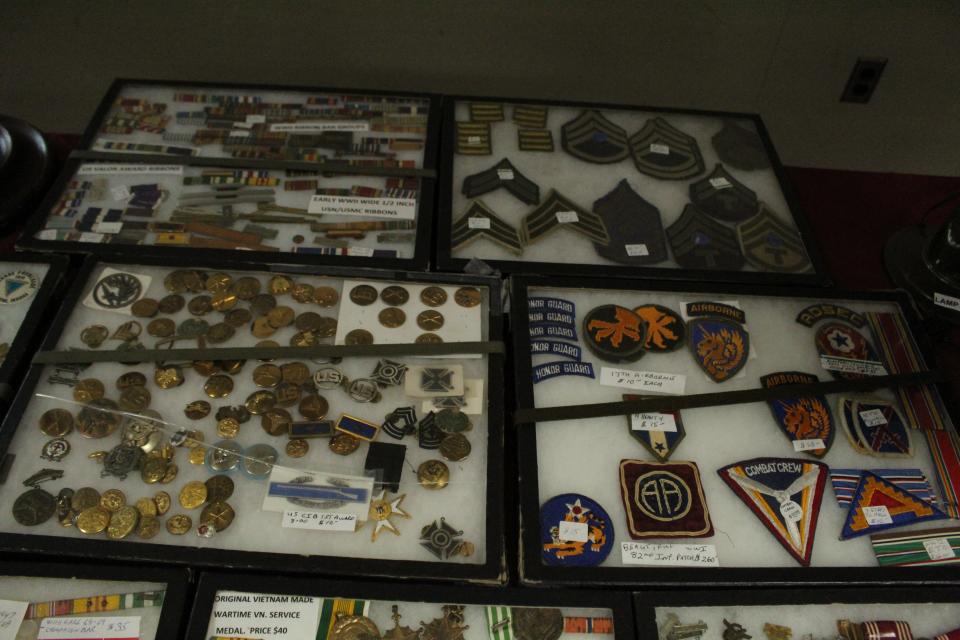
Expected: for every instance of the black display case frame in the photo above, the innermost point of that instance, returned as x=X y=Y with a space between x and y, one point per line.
x=445 y=215
x=492 y=571
x=38 y=316
x=645 y=603
x=179 y=587
x=425 y=200
x=533 y=571
x=210 y=583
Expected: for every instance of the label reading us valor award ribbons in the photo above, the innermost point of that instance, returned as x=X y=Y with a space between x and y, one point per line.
x=393 y=208
x=672 y=383
x=129 y=169
x=653 y=554
x=88 y=628
x=254 y=615
x=319 y=520
x=320 y=126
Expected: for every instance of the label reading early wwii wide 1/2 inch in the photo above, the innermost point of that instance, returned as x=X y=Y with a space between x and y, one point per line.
x=672 y=383
x=254 y=615
x=653 y=422
x=90 y=628
x=11 y=616
x=939 y=549
x=392 y=208
x=849 y=365
x=945 y=301
x=319 y=520
x=130 y=169
x=319 y=126
x=657 y=554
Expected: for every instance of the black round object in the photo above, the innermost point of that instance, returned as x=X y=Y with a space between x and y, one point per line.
x=26 y=170
x=925 y=261
x=614 y=333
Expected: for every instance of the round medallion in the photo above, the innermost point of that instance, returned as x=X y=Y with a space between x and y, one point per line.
x=34 y=507
x=117 y=290
x=433 y=296
x=363 y=295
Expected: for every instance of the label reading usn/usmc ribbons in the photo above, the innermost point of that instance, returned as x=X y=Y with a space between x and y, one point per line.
x=555 y=348
x=553 y=369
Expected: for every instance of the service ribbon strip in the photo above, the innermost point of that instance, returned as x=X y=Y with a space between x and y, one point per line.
x=94 y=604
x=922 y=406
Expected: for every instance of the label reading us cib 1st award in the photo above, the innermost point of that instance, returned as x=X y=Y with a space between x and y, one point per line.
x=391 y=208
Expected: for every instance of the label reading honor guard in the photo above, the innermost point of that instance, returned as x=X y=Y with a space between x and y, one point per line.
x=945 y=301
x=392 y=208
x=635 y=250
x=253 y=615
x=566 y=217
x=319 y=520
x=650 y=381
x=654 y=554
x=478 y=223
x=89 y=628
x=320 y=126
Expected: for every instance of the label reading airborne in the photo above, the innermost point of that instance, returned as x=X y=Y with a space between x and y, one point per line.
x=392 y=208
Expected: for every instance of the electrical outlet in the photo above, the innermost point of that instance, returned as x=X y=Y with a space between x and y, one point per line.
x=863 y=80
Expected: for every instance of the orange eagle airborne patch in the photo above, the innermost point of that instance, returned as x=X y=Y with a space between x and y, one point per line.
x=614 y=333
x=803 y=419
x=665 y=328
x=719 y=346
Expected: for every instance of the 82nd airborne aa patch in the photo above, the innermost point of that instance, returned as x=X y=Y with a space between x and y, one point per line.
x=664 y=500
x=785 y=495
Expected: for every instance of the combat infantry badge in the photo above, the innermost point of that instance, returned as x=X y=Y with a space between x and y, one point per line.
x=785 y=495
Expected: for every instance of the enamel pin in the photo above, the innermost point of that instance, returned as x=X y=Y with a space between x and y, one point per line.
x=785 y=495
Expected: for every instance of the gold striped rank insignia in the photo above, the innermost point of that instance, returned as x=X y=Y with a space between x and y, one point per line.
x=486 y=112
x=535 y=139
x=530 y=117
x=473 y=138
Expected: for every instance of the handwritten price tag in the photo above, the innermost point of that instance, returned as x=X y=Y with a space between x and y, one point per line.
x=650 y=381
x=11 y=616
x=654 y=554
x=635 y=250
x=720 y=183
x=319 y=520
x=505 y=174
x=88 y=628
x=877 y=515
x=573 y=531
x=662 y=149
x=653 y=422
x=566 y=217
x=809 y=444
x=478 y=223
x=939 y=549
x=873 y=417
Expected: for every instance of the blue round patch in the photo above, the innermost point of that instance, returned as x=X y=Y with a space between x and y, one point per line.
x=590 y=536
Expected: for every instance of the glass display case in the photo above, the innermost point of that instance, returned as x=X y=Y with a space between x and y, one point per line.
x=273 y=609
x=615 y=190
x=679 y=434
x=312 y=420
x=289 y=174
